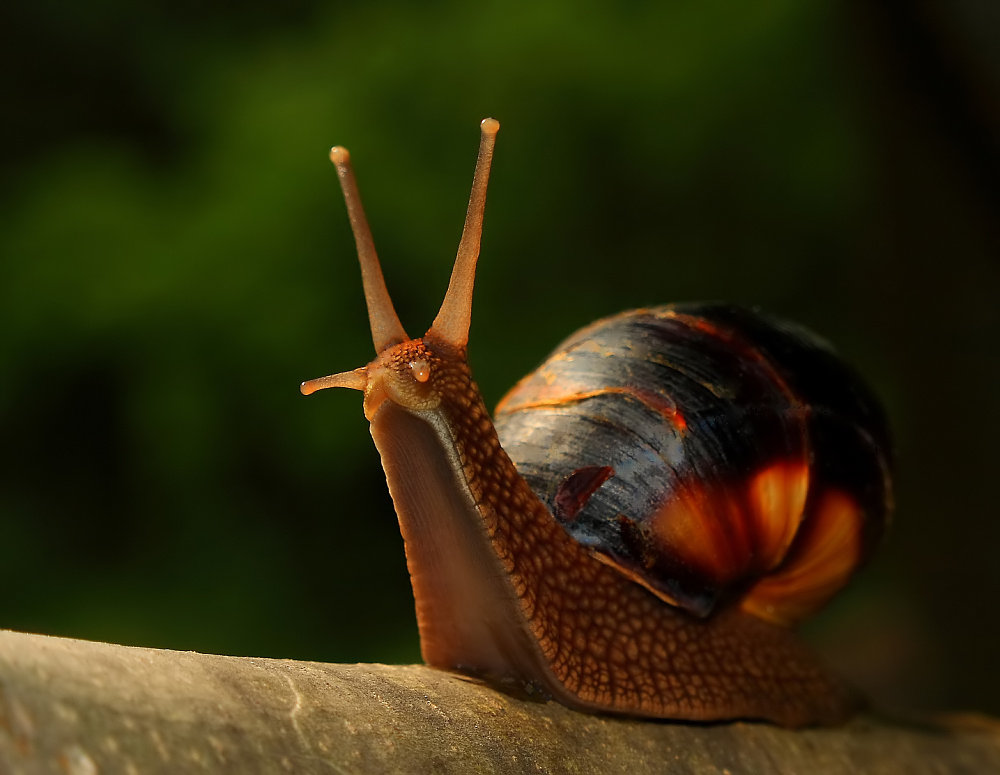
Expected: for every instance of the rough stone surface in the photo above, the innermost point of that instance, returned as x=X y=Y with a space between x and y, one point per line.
x=81 y=708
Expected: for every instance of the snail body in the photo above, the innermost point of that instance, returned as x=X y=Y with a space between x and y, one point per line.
x=655 y=579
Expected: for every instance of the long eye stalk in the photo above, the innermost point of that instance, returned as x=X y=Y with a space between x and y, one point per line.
x=386 y=328
x=453 y=319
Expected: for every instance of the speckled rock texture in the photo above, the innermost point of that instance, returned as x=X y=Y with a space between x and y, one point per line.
x=79 y=708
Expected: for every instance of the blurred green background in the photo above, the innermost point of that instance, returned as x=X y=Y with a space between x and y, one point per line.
x=175 y=258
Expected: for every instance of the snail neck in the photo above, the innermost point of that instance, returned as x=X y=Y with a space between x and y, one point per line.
x=469 y=615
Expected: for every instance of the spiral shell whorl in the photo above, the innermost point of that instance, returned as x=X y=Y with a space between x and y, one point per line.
x=727 y=432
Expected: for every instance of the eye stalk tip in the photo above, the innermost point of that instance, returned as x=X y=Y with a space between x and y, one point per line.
x=339 y=155
x=490 y=126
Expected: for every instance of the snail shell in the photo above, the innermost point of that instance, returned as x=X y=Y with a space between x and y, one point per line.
x=711 y=454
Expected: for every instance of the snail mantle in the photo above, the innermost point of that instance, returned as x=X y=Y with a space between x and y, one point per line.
x=71 y=706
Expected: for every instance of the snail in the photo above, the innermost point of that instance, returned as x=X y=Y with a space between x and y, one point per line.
x=655 y=507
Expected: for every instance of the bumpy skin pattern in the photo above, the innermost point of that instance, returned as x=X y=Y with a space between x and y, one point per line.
x=607 y=643
x=699 y=401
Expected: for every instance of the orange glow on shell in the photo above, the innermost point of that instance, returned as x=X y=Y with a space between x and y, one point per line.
x=824 y=560
x=777 y=500
x=728 y=533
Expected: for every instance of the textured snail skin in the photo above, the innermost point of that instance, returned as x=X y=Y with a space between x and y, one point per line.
x=503 y=591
